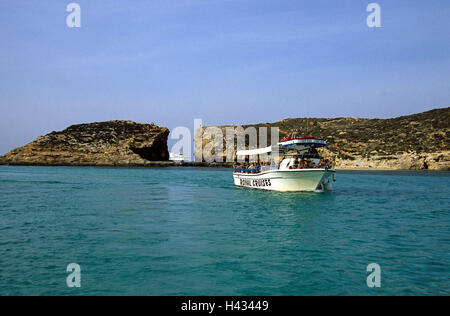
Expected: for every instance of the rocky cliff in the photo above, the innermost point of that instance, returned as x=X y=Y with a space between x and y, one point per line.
x=414 y=142
x=112 y=143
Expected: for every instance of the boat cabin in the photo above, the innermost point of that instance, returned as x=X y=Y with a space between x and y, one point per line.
x=292 y=153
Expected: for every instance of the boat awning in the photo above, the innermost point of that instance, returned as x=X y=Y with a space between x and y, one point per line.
x=252 y=152
x=309 y=142
x=286 y=144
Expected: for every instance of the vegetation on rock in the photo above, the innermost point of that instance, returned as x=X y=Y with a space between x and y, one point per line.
x=112 y=143
x=419 y=141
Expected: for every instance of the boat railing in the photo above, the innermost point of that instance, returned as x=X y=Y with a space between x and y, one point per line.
x=255 y=170
x=260 y=170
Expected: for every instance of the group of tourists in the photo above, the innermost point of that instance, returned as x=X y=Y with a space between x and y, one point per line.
x=299 y=163
x=252 y=167
x=308 y=163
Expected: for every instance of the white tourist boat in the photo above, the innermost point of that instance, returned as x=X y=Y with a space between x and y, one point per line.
x=301 y=167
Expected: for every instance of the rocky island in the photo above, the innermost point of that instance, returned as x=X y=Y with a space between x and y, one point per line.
x=112 y=143
x=414 y=142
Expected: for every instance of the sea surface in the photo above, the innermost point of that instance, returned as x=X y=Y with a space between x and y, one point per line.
x=188 y=231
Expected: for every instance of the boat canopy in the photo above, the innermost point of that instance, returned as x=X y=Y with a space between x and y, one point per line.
x=252 y=152
x=303 y=142
x=286 y=143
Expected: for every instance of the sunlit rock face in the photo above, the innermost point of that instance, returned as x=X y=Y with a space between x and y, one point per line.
x=112 y=143
x=414 y=142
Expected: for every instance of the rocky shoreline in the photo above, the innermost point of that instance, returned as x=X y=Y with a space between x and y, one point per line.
x=101 y=144
x=415 y=142
x=112 y=143
x=215 y=165
x=149 y=164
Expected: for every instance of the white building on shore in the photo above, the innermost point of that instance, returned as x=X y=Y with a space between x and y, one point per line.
x=178 y=158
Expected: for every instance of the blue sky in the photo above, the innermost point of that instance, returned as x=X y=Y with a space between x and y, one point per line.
x=227 y=62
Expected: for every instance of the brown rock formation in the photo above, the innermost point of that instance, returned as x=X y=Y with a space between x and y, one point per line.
x=112 y=143
x=414 y=142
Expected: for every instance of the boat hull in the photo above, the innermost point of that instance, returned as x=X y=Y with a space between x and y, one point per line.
x=312 y=180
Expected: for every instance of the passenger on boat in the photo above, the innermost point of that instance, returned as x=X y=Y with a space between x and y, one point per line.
x=324 y=164
x=302 y=164
x=262 y=166
x=321 y=163
x=292 y=166
x=297 y=162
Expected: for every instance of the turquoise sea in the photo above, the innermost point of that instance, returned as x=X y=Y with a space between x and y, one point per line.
x=188 y=231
